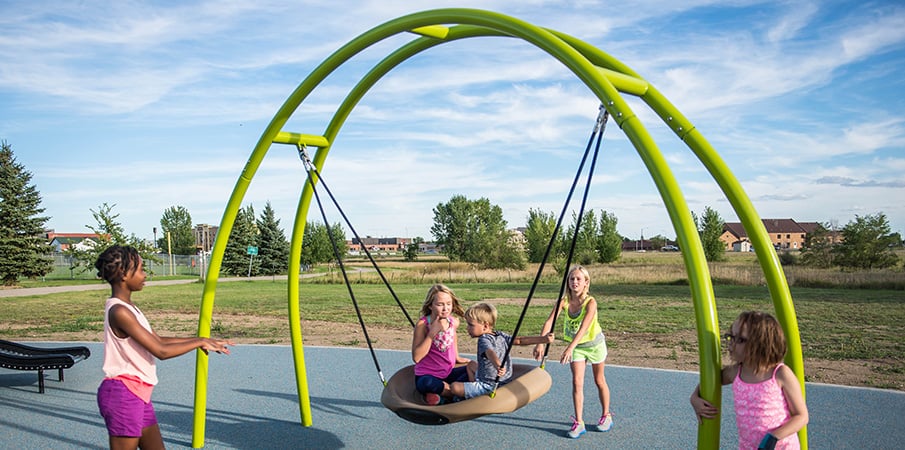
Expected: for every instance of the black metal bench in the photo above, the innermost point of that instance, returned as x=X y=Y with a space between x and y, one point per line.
x=25 y=357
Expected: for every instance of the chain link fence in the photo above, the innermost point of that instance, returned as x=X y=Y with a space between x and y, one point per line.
x=64 y=267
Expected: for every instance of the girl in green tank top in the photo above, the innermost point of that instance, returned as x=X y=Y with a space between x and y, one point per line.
x=586 y=344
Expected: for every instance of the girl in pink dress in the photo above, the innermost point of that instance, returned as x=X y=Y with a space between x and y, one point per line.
x=769 y=404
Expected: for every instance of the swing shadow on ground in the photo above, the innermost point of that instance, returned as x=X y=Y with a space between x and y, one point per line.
x=252 y=403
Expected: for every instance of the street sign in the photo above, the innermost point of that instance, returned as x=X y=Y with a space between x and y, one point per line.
x=252 y=250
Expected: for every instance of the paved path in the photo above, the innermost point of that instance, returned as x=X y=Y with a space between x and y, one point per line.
x=252 y=404
x=100 y=285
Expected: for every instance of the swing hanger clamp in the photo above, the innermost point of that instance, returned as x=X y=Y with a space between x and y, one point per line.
x=303 y=155
x=602 y=118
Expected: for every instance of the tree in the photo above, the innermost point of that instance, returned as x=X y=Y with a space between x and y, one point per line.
x=177 y=223
x=23 y=244
x=818 y=248
x=273 y=251
x=236 y=260
x=586 y=241
x=411 y=250
x=110 y=232
x=538 y=232
x=474 y=231
x=658 y=241
x=609 y=242
x=316 y=246
x=710 y=228
x=451 y=227
x=867 y=243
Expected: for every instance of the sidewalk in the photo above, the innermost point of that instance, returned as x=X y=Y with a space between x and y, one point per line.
x=101 y=285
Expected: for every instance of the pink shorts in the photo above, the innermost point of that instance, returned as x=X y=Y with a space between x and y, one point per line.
x=125 y=414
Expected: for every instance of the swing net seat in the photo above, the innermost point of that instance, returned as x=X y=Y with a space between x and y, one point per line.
x=528 y=383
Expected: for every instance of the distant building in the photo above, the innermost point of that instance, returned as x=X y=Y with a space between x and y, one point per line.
x=204 y=236
x=394 y=244
x=62 y=242
x=785 y=234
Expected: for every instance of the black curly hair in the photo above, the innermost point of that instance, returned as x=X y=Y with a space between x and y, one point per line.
x=116 y=262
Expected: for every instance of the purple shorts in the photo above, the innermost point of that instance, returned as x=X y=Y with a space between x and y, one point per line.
x=125 y=414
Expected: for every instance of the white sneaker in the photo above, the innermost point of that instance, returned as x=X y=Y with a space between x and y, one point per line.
x=605 y=423
x=577 y=429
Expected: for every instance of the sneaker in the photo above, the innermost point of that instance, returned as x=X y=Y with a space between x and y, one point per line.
x=432 y=399
x=605 y=423
x=577 y=429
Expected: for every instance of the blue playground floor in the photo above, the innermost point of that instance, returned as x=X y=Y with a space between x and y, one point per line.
x=252 y=404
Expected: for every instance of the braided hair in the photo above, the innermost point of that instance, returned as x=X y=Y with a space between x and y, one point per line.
x=116 y=262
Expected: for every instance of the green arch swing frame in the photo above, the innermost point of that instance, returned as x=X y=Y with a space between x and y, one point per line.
x=608 y=79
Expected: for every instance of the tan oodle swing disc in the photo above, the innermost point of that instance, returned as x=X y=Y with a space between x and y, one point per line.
x=528 y=384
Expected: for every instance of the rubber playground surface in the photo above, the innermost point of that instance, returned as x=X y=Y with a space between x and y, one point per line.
x=253 y=404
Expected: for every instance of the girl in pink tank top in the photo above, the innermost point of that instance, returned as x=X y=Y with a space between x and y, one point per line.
x=130 y=350
x=435 y=346
x=769 y=403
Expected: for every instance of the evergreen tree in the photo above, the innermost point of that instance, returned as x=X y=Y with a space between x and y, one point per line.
x=236 y=260
x=24 y=248
x=273 y=251
x=177 y=222
x=609 y=242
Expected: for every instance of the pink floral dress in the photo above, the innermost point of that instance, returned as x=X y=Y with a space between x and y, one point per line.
x=759 y=409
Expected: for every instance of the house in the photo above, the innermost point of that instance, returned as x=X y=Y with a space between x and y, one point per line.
x=785 y=234
x=65 y=241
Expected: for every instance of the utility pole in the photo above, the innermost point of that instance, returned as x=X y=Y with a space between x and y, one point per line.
x=170 y=252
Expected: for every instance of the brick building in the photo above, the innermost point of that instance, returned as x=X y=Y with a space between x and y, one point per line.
x=785 y=234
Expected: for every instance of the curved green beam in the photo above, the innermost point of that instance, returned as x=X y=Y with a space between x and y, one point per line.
x=606 y=77
x=767 y=257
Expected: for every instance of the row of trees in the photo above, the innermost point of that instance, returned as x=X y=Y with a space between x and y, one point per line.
x=866 y=243
x=471 y=231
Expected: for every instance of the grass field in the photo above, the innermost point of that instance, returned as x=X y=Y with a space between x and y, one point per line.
x=643 y=294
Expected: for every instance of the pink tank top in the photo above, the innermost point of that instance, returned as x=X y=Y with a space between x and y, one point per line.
x=759 y=409
x=123 y=357
x=441 y=358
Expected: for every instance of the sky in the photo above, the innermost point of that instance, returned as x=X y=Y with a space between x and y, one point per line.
x=148 y=105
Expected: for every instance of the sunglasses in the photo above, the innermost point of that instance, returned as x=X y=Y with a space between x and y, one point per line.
x=729 y=337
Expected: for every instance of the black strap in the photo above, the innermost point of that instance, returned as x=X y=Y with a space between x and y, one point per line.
x=312 y=171
x=596 y=134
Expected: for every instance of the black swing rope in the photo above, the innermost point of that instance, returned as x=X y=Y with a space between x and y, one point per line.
x=312 y=171
x=596 y=135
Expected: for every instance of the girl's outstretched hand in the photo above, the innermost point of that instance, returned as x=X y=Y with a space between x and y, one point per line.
x=216 y=345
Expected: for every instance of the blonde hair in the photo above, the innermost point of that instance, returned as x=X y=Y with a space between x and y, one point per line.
x=587 y=278
x=483 y=313
x=766 y=344
x=429 y=300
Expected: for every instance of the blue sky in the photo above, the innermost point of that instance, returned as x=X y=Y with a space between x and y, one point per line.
x=147 y=105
